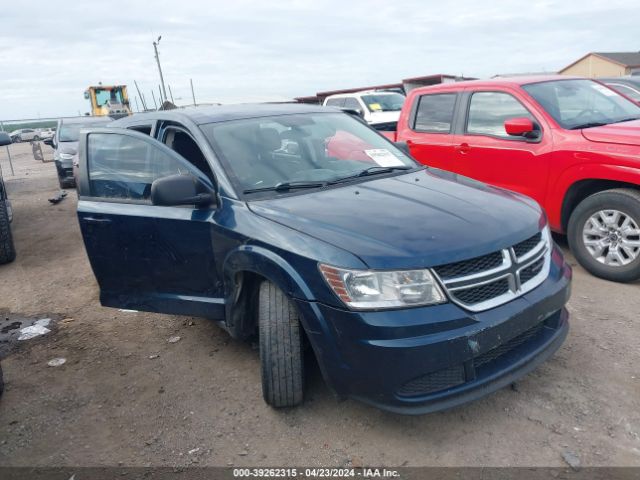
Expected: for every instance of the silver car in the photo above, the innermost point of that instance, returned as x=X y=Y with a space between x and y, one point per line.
x=24 y=135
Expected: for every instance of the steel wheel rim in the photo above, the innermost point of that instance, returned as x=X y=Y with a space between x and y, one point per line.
x=612 y=237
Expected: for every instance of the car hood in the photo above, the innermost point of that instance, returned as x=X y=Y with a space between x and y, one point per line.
x=383 y=117
x=420 y=219
x=67 y=147
x=625 y=133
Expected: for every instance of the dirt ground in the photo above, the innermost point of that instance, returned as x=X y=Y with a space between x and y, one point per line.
x=126 y=396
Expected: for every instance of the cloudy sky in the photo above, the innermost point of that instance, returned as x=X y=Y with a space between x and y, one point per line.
x=242 y=50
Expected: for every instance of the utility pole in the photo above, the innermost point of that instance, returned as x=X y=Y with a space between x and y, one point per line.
x=155 y=49
x=192 y=93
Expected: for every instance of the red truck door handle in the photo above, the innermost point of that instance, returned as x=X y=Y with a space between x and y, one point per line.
x=463 y=148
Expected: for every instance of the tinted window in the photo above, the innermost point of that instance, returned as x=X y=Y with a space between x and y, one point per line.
x=185 y=146
x=435 y=113
x=121 y=166
x=335 y=102
x=489 y=110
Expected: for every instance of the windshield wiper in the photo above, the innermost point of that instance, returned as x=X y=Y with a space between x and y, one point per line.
x=589 y=125
x=376 y=170
x=285 y=186
x=627 y=119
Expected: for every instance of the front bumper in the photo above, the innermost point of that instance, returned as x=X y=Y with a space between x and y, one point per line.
x=425 y=359
x=65 y=171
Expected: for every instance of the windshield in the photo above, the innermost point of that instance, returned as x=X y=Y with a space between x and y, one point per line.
x=383 y=102
x=301 y=150
x=70 y=132
x=104 y=96
x=582 y=103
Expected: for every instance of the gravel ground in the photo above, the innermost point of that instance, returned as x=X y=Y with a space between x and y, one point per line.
x=128 y=396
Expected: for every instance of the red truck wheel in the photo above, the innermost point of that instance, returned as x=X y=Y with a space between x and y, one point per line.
x=604 y=234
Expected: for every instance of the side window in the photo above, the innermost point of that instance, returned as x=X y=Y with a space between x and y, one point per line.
x=181 y=142
x=489 y=110
x=435 y=113
x=628 y=91
x=146 y=129
x=124 y=167
x=352 y=103
x=335 y=102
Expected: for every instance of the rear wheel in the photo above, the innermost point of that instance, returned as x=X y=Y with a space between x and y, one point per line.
x=281 y=355
x=7 y=250
x=604 y=234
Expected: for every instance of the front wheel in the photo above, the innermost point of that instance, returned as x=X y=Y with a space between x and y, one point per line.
x=281 y=355
x=604 y=234
x=7 y=250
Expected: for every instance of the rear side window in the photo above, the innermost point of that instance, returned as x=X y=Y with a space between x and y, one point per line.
x=335 y=102
x=489 y=110
x=124 y=167
x=435 y=113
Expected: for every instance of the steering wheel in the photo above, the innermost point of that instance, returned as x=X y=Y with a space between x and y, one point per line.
x=589 y=111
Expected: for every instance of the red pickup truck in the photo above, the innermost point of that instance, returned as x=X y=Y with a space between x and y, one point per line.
x=572 y=144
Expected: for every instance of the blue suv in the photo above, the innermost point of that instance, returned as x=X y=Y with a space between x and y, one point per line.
x=416 y=289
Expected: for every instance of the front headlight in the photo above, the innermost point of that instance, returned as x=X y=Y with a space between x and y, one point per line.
x=370 y=289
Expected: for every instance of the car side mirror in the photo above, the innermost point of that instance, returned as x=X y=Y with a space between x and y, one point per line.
x=177 y=190
x=5 y=139
x=520 y=127
x=48 y=141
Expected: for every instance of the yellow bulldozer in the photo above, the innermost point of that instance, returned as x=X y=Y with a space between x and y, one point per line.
x=108 y=100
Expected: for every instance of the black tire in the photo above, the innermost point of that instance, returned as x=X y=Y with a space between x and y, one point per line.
x=624 y=200
x=17 y=139
x=7 y=250
x=66 y=183
x=281 y=353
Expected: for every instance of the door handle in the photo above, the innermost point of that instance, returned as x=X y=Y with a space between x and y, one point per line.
x=463 y=148
x=96 y=220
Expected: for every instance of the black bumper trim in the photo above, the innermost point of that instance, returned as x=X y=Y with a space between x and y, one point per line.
x=524 y=366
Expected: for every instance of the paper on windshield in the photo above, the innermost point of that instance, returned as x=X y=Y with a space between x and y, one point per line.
x=384 y=157
x=375 y=106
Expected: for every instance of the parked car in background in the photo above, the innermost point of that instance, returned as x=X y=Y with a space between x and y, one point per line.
x=417 y=289
x=24 y=135
x=571 y=144
x=65 y=143
x=7 y=249
x=380 y=109
x=46 y=134
x=628 y=85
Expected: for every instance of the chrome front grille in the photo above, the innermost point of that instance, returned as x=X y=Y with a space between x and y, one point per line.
x=485 y=282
